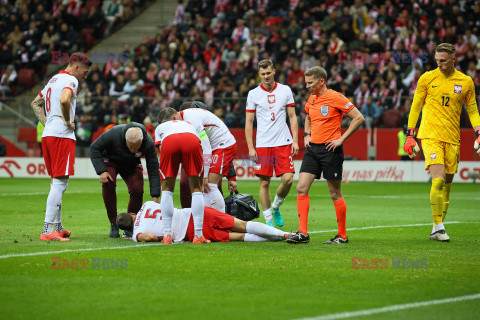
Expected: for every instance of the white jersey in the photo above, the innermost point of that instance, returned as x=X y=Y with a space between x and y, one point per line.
x=218 y=134
x=149 y=219
x=271 y=109
x=173 y=127
x=55 y=126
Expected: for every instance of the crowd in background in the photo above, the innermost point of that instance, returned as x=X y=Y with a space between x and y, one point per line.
x=30 y=30
x=374 y=52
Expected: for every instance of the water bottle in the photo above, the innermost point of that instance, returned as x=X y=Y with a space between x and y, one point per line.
x=233 y=208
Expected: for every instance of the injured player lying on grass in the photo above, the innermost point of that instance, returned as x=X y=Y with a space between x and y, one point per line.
x=147 y=226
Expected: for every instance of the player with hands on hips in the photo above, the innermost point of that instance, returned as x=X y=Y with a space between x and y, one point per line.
x=55 y=107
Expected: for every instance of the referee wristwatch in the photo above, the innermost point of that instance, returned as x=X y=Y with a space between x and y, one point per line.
x=306 y=134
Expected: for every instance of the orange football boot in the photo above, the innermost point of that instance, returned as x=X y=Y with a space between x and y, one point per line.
x=65 y=233
x=167 y=239
x=200 y=240
x=54 y=235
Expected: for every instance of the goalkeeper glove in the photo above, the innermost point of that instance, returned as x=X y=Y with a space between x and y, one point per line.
x=476 y=144
x=411 y=146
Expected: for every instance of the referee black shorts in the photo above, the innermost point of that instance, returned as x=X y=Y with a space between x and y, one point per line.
x=317 y=160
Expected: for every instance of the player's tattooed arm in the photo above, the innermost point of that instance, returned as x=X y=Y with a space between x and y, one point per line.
x=38 y=107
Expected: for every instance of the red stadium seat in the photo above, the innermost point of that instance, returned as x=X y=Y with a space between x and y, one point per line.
x=92 y=3
x=26 y=78
x=392 y=119
x=29 y=135
x=97 y=133
x=88 y=38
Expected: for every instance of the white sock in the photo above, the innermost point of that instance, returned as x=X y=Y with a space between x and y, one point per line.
x=433 y=229
x=54 y=202
x=277 y=202
x=264 y=231
x=253 y=238
x=166 y=205
x=58 y=217
x=268 y=215
x=216 y=198
x=197 y=213
x=439 y=226
x=206 y=200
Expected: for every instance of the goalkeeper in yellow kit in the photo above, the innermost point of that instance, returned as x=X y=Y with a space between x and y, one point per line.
x=441 y=94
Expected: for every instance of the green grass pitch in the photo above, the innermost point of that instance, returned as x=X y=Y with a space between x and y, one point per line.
x=242 y=280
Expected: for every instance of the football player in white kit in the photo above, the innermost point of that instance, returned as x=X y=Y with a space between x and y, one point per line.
x=275 y=145
x=54 y=107
x=148 y=226
x=179 y=143
x=222 y=144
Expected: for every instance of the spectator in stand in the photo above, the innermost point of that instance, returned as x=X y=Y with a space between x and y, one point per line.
x=96 y=20
x=152 y=73
x=130 y=69
x=117 y=87
x=295 y=74
x=371 y=113
x=138 y=109
x=8 y=80
x=113 y=13
x=14 y=38
x=147 y=122
x=241 y=33
x=131 y=83
x=66 y=39
x=50 y=36
x=84 y=129
x=6 y=56
x=139 y=89
x=202 y=83
x=179 y=13
x=335 y=44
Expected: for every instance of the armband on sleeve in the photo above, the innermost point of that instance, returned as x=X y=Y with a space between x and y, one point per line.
x=203 y=135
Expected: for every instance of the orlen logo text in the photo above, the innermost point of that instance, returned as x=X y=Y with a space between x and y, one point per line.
x=10 y=166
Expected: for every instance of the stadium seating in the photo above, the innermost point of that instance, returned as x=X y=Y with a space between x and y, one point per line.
x=26 y=78
x=392 y=118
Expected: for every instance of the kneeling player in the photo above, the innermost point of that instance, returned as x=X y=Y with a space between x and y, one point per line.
x=147 y=226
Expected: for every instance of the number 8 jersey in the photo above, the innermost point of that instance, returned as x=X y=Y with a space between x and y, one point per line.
x=55 y=126
x=271 y=109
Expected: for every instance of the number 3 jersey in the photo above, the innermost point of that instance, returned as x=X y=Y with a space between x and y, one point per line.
x=271 y=109
x=149 y=219
x=55 y=126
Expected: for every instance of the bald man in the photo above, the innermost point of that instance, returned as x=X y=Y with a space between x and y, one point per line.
x=118 y=151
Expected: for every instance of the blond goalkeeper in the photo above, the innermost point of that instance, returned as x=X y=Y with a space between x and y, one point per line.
x=441 y=94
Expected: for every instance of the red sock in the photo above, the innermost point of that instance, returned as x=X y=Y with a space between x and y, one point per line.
x=341 y=211
x=303 y=205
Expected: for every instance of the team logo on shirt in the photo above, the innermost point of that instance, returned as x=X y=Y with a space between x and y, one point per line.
x=457 y=88
x=72 y=84
x=433 y=156
x=271 y=98
x=324 y=110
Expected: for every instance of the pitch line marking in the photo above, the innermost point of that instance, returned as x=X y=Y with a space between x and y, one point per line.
x=395 y=307
x=6 y=256
x=81 y=249
x=39 y=193
x=394 y=226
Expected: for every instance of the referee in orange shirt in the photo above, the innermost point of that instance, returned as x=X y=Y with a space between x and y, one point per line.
x=324 y=152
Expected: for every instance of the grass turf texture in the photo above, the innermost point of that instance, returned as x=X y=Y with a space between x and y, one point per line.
x=242 y=280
